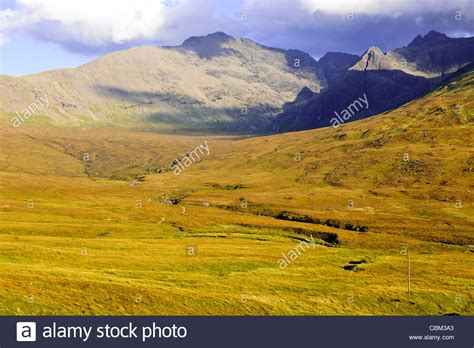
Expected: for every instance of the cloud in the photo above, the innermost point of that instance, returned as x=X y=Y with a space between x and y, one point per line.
x=96 y=24
x=319 y=26
x=315 y=26
x=387 y=7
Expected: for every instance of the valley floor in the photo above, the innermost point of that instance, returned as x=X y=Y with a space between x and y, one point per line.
x=74 y=244
x=322 y=222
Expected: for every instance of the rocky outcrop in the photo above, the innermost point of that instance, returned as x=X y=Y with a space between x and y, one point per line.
x=387 y=80
x=431 y=56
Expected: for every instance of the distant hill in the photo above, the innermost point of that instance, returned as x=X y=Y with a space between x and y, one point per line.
x=387 y=80
x=209 y=82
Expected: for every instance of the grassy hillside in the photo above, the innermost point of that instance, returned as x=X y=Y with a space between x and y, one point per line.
x=215 y=82
x=82 y=237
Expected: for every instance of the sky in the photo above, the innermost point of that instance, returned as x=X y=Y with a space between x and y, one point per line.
x=38 y=35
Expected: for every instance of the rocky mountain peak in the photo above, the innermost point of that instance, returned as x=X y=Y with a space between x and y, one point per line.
x=209 y=46
x=305 y=93
x=374 y=50
x=213 y=38
x=337 y=57
x=334 y=64
x=373 y=59
x=432 y=36
x=386 y=79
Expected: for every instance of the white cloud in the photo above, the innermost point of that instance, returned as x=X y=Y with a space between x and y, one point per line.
x=10 y=20
x=96 y=23
x=388 y=7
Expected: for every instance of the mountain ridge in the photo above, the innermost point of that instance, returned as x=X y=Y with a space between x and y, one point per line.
x=227 y=83
x=221 y=83
x=389 y=80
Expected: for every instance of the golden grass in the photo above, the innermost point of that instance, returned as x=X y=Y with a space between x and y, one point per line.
x=76 y=240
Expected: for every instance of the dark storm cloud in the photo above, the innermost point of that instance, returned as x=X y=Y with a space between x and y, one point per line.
x=319 y=33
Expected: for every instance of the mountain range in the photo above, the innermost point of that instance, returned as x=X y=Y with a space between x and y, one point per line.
x=221 y=83
x=386 y=79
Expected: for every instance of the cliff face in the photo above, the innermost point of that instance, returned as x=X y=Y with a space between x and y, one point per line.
x=436 y=55
x=387 y=79
x=335 y=64
x=433 y=55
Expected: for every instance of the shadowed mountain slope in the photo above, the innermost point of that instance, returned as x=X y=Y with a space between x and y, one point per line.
x=386 y=80
x=335 y=64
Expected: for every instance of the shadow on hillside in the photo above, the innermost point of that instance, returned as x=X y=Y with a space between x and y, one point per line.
x=191 y=114
x=383 y=90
